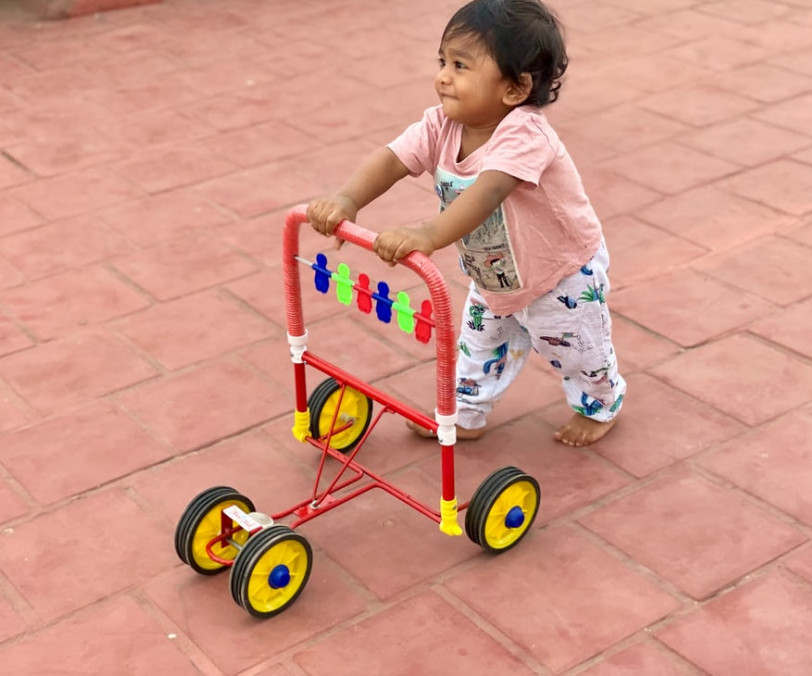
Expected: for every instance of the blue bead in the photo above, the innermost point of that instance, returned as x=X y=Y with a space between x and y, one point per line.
x=383 y=304
x=323 y=274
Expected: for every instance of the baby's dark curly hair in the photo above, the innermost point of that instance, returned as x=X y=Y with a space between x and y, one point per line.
x=522 y=36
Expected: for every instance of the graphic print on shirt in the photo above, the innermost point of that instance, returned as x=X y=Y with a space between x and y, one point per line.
x=485 y=254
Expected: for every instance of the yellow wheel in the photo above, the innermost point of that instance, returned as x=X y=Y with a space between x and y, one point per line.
x=271 y=571
x=353 y=407
x=502 y=509
x=201 y=522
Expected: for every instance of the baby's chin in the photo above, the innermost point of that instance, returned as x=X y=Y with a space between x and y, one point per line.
x=449 y=105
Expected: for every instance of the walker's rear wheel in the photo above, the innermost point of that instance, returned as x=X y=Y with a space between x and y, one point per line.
x=201 y=522
x=502 y=509
x=353 y=407
x=271 y=571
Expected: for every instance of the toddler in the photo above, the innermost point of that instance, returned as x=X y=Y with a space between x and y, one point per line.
x=514 y=205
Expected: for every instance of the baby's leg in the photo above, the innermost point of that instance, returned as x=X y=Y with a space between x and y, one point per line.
x=492 y=351
x=596 y=399
x=572 y=329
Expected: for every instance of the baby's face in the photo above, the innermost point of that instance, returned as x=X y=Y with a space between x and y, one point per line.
x=470 y=85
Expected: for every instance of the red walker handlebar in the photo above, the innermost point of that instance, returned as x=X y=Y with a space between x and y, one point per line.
x=419 y=263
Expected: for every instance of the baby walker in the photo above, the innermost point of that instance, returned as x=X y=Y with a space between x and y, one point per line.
x=270 y=562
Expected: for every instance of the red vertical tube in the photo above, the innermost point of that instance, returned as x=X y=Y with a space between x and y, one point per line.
x=448 y=472
x=301 y=387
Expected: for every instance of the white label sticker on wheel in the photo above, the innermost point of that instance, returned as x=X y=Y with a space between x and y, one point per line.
x=242 y=519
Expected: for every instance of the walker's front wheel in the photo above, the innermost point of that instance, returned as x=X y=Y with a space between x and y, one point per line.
x=271 y=571
x=202 y=521
x=349 y=409
x=502 y=509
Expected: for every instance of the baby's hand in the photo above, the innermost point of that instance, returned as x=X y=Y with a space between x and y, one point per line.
x=325 y=213
x=393 y=245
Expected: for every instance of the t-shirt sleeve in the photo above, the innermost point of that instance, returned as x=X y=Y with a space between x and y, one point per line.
x=522 y=147
x=416 y=147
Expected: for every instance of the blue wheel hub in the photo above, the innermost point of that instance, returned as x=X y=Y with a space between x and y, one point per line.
x=279 y=577
x=514 y=518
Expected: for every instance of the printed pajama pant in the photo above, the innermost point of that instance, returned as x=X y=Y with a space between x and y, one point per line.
x=570 y=327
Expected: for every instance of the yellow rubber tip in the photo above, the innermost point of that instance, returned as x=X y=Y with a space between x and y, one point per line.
x=448 y=517
x=301 y=424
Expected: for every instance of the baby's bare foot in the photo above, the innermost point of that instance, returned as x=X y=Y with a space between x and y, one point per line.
x=462 y=433
x=581 y=431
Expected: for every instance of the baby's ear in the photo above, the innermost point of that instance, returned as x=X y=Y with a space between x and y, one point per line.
x=518 y=92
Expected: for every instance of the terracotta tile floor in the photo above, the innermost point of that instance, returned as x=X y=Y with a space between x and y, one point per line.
x=148 y=158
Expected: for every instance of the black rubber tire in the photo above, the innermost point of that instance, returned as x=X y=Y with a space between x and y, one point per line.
x=316 y=402
x=485 y=498
x=242 y=572
x=192 y=517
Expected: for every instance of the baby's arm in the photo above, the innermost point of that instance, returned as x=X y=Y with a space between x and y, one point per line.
x=379 y=172
x=464 y=215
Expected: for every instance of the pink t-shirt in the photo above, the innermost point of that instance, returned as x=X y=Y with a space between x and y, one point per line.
x=545 y=230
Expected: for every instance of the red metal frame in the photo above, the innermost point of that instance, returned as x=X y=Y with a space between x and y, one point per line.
x=445 y=344
x=323 y=501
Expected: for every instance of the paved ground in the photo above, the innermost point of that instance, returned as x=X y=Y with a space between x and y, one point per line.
x=148 y=158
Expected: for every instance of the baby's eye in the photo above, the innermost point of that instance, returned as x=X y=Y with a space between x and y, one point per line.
x=441 y=61
x=459 y=65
